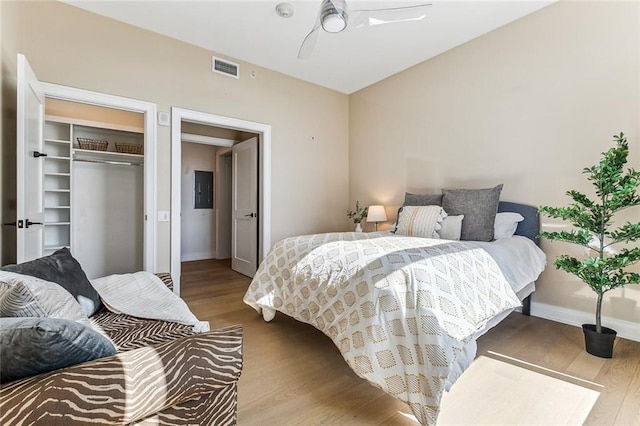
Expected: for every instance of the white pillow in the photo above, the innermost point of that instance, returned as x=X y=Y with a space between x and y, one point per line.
x=27 y=296
x=506 y=224
x=451 y=228
x=420 y=221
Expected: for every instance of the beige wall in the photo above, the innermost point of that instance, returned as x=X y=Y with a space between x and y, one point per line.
x=528 y=105
x=72 y=47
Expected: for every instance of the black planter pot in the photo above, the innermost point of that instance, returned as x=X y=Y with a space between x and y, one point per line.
x=599 y=344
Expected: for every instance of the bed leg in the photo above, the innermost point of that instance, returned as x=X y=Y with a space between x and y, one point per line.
x=526 y=306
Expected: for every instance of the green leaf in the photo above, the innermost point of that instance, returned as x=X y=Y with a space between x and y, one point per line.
x=616 y=189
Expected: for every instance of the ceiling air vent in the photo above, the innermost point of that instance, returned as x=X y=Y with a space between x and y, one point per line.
x=225 y=67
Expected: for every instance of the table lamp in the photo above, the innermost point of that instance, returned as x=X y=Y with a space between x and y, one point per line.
x=376 y=214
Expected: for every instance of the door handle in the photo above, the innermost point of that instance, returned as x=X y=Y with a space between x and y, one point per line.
x=37 y=154
x=251 y=215
x=29 y=223
x=19 y=224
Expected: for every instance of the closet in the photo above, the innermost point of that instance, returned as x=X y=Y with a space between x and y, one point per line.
x=93 y=186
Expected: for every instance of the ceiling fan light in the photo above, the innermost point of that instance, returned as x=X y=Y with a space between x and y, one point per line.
x=334 y=23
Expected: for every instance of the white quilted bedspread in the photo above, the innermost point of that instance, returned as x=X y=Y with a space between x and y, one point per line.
x=399 y=309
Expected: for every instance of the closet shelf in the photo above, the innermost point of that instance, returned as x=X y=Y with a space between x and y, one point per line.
x=60 y=141
x=108 y=157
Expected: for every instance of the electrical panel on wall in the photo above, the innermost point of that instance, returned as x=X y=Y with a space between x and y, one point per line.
x=203 y=195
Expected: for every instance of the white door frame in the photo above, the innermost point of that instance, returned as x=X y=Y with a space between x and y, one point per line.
x=264 y=176
x=149 y=110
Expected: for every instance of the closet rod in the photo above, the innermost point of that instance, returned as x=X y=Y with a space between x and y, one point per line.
x=116 y=163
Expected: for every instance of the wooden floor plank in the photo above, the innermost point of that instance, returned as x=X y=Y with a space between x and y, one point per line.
x=616 y=376
x=629 y=413
x=293 y=374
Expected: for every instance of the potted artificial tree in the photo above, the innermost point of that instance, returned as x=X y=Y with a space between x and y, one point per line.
x=603 y=269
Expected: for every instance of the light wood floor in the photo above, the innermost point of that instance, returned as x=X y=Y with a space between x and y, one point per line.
x=292 y=371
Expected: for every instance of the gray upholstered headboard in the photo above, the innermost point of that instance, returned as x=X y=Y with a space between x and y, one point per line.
x=530 y=226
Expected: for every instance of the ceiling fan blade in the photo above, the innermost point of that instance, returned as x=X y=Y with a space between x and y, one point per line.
x=362 y=18
x=308 y=44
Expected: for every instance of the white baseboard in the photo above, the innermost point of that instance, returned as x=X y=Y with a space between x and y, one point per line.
x=626 y=329
x=200 y=255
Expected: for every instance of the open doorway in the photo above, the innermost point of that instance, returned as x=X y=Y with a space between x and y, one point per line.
x=207 y=183
x=225 y=136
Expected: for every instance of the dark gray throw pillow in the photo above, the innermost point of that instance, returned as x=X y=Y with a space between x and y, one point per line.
x=422 y=199
x=479 y=207
x=61 y=268
x=30 y=346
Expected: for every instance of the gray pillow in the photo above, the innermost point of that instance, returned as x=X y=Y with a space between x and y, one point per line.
x=479 y=207
x=27 y=296
x=61 y=268
x=30 y=346
x=422 y=199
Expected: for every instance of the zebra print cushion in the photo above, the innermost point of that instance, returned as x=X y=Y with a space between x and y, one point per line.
x=150 y=385
x=217 y=409
x=166 y=278
x=127 y=332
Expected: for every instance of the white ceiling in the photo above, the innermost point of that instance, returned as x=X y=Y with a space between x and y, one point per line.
x=251 y=31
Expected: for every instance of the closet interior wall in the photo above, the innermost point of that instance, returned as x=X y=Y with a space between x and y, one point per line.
x=94 y=199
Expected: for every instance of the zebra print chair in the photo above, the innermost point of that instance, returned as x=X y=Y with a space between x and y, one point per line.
x=163 y=373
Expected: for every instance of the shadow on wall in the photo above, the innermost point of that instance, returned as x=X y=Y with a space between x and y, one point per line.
x=8 y=166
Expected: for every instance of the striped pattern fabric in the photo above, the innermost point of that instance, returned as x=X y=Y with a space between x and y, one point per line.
x=127 y=332
x=420 y=221
x=182 y=377
x=163 y=373
x=217 y=409
x=165 y=277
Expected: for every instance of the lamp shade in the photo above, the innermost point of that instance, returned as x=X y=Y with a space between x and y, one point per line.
x=376 y=214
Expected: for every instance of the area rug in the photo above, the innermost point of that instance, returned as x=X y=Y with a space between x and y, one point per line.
x=499 y=390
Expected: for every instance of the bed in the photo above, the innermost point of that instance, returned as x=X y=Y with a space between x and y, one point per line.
x=404 y=311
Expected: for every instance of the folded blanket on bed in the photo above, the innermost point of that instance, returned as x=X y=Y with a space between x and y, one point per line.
x=144 y=295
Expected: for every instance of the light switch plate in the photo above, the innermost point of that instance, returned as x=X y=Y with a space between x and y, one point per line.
x=163 y=216
x=164 y=119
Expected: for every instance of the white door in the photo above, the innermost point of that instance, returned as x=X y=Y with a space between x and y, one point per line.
x=244 y=200
x=30 y=127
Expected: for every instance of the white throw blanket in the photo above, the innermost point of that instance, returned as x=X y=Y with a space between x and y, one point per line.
x=144 y=295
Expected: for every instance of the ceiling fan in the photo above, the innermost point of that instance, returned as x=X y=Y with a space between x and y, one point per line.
x=334 y=17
